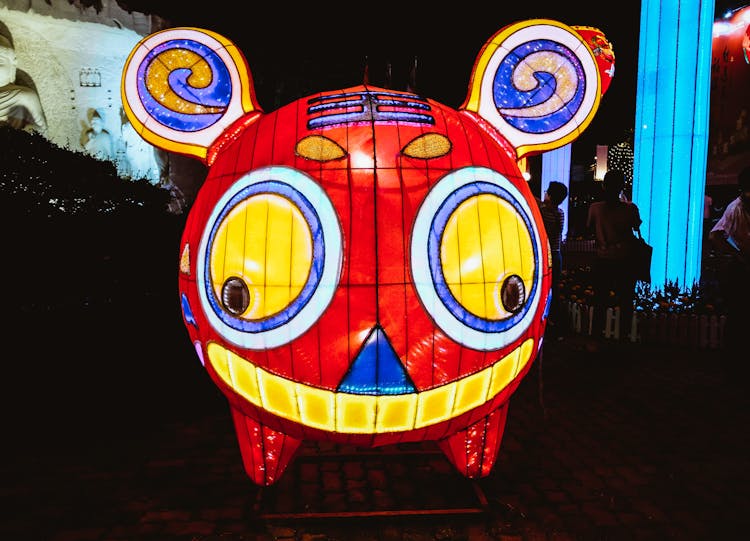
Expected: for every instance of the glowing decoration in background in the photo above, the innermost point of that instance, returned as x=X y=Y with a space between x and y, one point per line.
x=671 y=135
x=731 y=22
x=556 y=167
x=601 y=162
x=730 y=86
x=523 y=166
x=74 y=79
x=620 y=157
x=331 y=296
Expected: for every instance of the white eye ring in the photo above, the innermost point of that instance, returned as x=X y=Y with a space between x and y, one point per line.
x=471 y=336
x=258 y=337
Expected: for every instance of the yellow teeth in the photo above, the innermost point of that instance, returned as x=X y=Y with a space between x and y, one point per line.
x=365 y=414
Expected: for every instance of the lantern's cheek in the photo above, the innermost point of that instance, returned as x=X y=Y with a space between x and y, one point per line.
x=269 y=259
x=346 y=413
x=484 y=275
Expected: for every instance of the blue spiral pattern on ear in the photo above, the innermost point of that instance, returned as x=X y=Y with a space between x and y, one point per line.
x=184 y=85
x=539 y=86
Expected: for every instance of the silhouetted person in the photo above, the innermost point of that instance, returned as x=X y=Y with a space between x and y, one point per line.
x=731 y=236
x=554 y=221
x=613 y=221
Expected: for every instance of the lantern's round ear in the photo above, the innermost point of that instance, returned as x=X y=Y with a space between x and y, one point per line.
x=183 y=87
x=537 y=83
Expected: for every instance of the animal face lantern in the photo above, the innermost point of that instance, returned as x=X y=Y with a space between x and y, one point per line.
x=365 y=266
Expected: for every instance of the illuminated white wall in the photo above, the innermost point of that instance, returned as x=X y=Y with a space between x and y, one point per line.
x=76 y=67
x=556 y=167
x=671 y=133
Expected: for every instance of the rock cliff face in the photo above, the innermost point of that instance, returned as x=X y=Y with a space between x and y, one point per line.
x=72 y=56
x=107 y=12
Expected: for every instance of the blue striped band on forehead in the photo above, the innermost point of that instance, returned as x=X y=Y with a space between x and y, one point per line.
x=365 y=106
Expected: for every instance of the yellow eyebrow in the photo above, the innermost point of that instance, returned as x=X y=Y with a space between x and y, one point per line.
x=319 y=148
x=428 y=145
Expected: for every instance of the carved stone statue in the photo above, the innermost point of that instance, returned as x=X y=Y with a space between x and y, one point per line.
x=98 y=141
x=19 y=104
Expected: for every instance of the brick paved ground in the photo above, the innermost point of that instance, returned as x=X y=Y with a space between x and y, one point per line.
x=632 y=442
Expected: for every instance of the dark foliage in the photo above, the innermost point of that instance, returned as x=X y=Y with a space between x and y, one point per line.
x=42 y=180
x=77 y=235
x=89 y=276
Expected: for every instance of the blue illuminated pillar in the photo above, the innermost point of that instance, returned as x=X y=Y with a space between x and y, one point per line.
x=671 y=133
x=556 y=166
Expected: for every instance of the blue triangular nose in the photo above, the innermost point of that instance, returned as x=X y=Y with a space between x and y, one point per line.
x=377 y=369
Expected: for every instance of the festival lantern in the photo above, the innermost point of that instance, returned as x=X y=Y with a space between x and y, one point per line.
x=365 y=266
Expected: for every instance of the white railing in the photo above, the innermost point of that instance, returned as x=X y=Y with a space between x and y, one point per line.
x=701 y=331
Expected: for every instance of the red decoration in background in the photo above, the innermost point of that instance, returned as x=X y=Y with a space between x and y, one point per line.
x=603 y=52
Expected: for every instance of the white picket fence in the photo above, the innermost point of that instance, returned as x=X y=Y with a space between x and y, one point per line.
x=701 y=331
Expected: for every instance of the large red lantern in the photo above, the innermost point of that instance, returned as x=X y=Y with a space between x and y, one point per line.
x=365 y=266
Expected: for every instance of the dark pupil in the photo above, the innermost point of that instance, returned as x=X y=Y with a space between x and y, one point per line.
x=512 y=293
x=235 y=296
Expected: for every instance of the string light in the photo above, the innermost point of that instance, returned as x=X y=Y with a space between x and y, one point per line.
x=620 y=157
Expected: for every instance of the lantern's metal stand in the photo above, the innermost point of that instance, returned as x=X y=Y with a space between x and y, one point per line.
x=478 y=506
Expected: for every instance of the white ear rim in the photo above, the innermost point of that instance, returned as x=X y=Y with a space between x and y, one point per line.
x=186 y=142
x=526 y=142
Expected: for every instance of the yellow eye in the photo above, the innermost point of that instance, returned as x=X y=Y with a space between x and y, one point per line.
x=262 y=256
x=269 y=259
x=487 y=256
x=482 y=281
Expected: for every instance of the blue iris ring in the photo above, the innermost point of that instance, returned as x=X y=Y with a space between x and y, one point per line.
x=437 y=229
x=316 y=269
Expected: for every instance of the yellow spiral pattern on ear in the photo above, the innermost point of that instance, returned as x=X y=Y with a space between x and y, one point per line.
x=525 y=79
x=183 y=88
x=157 y=80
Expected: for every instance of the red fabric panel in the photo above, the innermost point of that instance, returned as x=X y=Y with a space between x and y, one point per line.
x=473 y=451
x=265 y=452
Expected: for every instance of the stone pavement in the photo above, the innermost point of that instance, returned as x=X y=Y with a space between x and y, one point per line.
x=631 y=442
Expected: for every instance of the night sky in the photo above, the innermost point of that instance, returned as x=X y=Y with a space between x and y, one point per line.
x=293 y=52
